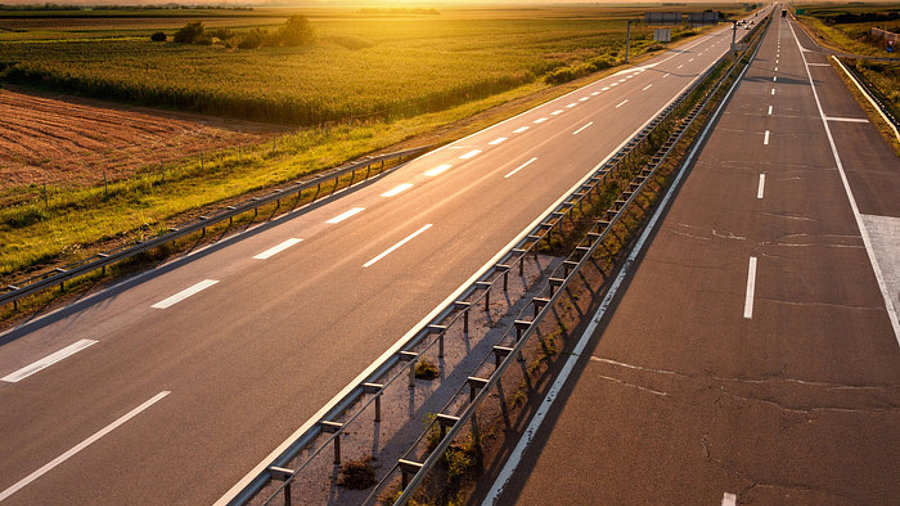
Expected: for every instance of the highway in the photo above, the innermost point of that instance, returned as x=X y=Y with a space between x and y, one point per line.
x=754 y=356
x=170 y=387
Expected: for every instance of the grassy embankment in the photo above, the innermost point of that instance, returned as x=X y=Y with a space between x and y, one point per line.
x=379 y=81
x=846 y=28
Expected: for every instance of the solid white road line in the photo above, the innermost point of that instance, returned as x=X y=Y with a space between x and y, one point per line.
x=470 y=154
x=180 y=296
x=28 y=370
x=274 y=250
x=390 y=250
x=576 y=132
x=352 y=212
x=770 y=110
x=645 y=88
x=520 y=167
x=729 y=499
x=440 y=169
x=520 y=130
x=620 y=104
x=847 y=120
x=557 y=112
x=540 y=120
x=80 y=446
x=864 y=232
x=496 y=141
x=766 y=138
x=397 y=189
x=762 y=186
x=751 y=289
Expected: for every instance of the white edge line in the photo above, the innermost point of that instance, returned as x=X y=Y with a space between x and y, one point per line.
x=40 y=365
x=223 y=501
x=393 y=248
x=867 y=241
x=81 y=446
x=274 y=250
x=520 y=167
x=760 y=190
x=184 y=294
x=538 y=418
x=751 y=289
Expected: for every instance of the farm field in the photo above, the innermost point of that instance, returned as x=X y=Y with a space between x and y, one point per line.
x=372 y=81
x=61 y=141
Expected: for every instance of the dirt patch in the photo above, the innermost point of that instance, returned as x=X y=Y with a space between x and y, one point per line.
x=67 y=141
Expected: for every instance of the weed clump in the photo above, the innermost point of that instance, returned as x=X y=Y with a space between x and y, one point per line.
x=426 y=370
x=358 y=474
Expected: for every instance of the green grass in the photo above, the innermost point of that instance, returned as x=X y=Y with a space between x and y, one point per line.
x=360 y=68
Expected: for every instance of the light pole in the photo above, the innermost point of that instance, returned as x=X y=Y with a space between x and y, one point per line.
x=733 y=35
x=628 y=36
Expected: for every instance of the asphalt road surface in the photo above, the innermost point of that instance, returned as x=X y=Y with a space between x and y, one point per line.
x=171 y=387
x=753 y=358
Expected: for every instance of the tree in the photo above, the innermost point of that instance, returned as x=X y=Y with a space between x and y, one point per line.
x=297 y=32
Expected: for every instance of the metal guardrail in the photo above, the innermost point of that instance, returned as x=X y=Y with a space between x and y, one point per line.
x=374 y=383
x=60 y=276
x=556 y=285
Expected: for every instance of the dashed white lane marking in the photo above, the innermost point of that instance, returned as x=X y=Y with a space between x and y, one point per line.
x=645 y=88
x=665 y=75
x=393 y=248
x=540 y=120
x=729 y=499
x=187 y=292
x=356 y=210
x=847 y=120
x=774 y=79
x=766 y=138
x=496 y=141
x=520 y=130
x=576 y=132
x=605 y=88
x=689 y=61
x=557 y=112
x=40 y=365
x=776 y=69
x=818 y=65
x=620 y=104
x=81 y=446
x=470 y=154
x=629 y=77
x=622 y=80
x=397 y=189
x=274 y=250
x=773 y=91
x=761 y=188
x=582 y=99
x=520 y=167
x=440 y=169
x=573 y=104
x=678 y=67
x=613 y=84
x=751 y=289
x=594 y=94
x=770 y=110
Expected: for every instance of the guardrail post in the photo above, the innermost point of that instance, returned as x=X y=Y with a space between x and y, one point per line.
x=487 y=293
x=461 y=304
x=520 y=326
x=283 y=474
x=375 y=389
x=407 y=468
x=500 y=352
x=334 y=428
x=410 y=356
x=539 y=303
x=440 y=330
x=445 y=421
x=475 y=384
x=505 y=270
x=555 y=283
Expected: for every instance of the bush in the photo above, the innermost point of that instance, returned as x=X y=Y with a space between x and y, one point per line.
x=189 y=33
x=158 y=37
x=253 y=39
x=296 y=32
x=426 y=370
x=560 y=75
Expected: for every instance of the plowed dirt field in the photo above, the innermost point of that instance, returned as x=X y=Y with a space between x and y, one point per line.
x=68 y=141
